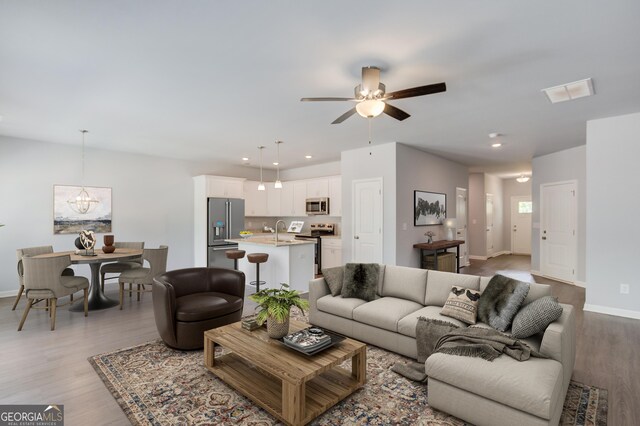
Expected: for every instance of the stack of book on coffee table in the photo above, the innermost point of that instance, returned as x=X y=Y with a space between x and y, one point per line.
x=308 y=341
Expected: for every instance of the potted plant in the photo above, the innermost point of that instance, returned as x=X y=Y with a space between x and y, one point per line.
x=275 y=307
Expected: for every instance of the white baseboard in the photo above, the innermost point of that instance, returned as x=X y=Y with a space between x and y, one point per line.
x=477 y=257
x=500 y=253
x=9 y=293
x=576 y=283
x=612 y=311
x=535 y=272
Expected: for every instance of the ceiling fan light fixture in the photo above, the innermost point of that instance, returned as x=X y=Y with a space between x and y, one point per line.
x=370 y=108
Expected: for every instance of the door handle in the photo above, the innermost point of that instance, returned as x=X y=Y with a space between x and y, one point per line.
x=544 y=238
x=355 y=237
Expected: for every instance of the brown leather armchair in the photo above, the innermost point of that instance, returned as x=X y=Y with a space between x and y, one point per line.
x=187 y=302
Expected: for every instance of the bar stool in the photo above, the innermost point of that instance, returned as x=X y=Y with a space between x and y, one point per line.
x=257 y=258
x=235 y=255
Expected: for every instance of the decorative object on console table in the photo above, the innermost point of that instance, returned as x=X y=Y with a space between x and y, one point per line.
x=108 y=244
x=275 y=308
x=450 y=224
x=430 y=208
x=429 y=235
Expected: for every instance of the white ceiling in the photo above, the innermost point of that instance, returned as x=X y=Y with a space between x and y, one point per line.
x=214 y=79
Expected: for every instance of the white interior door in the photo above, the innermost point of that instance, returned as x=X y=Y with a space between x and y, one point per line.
x=367 y=221
x=461 y=223
x=489 y=225
x=558 y=246
x=521 y=210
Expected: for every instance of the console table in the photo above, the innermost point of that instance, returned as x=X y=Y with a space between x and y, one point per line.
x=439 y=247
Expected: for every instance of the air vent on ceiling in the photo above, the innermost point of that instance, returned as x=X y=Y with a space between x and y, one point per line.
x=569 y=91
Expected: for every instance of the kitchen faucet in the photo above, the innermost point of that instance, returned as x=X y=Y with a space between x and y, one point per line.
x=285 y=225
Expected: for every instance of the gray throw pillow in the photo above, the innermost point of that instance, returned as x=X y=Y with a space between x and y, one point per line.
x=501 y=300
x=360 y=280
x=334 y=277
x=535 y=317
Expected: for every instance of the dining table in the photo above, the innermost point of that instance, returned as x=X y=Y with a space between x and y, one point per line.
x=97 y=298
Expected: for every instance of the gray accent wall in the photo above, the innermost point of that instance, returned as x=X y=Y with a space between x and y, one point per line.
x=426 y=172
x=612 y=205
x=566 y=165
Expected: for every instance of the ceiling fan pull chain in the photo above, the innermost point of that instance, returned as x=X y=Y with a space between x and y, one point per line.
x=369 y=120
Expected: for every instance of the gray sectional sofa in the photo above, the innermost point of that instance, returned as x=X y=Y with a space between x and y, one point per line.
x=502 y=392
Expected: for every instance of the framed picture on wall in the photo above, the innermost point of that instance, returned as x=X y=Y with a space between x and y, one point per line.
x=66 y=220
x=430 y=208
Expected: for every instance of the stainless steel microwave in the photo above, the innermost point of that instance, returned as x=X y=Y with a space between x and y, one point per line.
x=317 y=206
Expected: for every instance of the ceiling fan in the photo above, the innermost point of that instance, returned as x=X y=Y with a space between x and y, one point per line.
x=372 y=100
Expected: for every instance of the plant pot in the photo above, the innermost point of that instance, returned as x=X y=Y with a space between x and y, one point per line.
x=277 y=330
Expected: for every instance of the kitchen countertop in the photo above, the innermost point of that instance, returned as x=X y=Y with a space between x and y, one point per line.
x=269 y=241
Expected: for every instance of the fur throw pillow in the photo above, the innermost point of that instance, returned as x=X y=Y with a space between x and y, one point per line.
x=334 y=277
x=501 y=300
x=360 y=280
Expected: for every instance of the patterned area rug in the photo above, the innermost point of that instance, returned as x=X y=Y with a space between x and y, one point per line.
x=156 y=385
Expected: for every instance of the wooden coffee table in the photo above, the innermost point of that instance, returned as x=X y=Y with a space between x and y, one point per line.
x=293 y=387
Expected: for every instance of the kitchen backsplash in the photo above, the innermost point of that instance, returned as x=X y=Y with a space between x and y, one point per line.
x=256 y=224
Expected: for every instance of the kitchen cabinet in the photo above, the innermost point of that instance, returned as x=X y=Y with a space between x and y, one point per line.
x=286 y=199
x=255 y=203
x=224 y=187
x=299 y=198
x=331 y=252
x=335 y=196
x=318 y=188
x=273 y=200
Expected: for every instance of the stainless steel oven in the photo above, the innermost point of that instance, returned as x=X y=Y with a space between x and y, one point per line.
x=317 y=206
x=316 y=231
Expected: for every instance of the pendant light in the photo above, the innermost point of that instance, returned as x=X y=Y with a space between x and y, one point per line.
x=278 y=184
x=261 y=185
x=83 y=203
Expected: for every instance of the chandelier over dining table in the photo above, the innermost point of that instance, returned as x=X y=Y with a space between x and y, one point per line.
x=83 y=203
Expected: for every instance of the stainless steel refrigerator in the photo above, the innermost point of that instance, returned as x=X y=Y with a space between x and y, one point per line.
x=225 y=221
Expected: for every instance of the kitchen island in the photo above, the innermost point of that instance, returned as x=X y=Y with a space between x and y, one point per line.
x=290 y=261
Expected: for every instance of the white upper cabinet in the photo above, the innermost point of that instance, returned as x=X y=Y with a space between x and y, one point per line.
x=273 y=200
x=299 y=198
x=255 y=203
x=286 y=199
x=224 y=187
x=335 y=196
x=318 y=188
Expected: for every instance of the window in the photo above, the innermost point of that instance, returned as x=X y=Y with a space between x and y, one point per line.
x=525 y=207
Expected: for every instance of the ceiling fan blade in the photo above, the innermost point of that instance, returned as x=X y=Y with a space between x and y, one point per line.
x=417 y=91
x=326 y=99
x=344 y=116
x=394 y=112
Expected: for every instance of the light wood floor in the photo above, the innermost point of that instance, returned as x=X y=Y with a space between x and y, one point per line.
x=38 y=366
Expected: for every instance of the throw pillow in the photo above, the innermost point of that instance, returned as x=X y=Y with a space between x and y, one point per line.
x=535 y=317
x=462 y=304
x=334 y=277
x=428 y=332
x=360 y=280
x=501 y=300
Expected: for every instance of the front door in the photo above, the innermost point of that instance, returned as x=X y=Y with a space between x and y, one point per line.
x=558 y=246
x=367 y=221
x=461 y=224
x=521 y=210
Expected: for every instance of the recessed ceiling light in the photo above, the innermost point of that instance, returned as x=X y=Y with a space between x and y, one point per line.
x=275 y=163
x=496 y=145
x=494 y=135
x=522 y=178
x=245 y=158
x=308 y=157
x=569 y=91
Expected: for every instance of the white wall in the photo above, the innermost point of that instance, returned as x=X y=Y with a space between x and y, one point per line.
x=612 y=205
x=152 y=198
x=476 y=227
x=311 y=171
x=569 y=164
x=418 y=170
x=358 y=164
x=493 y=185
x=511 y=188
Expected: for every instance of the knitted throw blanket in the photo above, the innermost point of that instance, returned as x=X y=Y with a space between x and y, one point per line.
x=484 y=343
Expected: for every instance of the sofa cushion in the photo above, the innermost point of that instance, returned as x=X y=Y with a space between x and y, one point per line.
x=405 y=283
x=381 y=274
x=385 y=312
x=462 y=304
x=439 y=285
x=334 y=277
x=535 y=317
x=361 y=280
x=342 y=307
x=204 y=306
x=536 y=291
x=533 y=386
x=407 y=325
x=484 y=282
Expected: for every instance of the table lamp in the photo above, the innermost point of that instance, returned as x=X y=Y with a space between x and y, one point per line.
x=450 y=226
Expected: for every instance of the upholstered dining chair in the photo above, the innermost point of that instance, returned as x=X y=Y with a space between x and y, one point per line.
x=43 y=279
x=141 y=277
x=33 y=251
x=121 y=266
